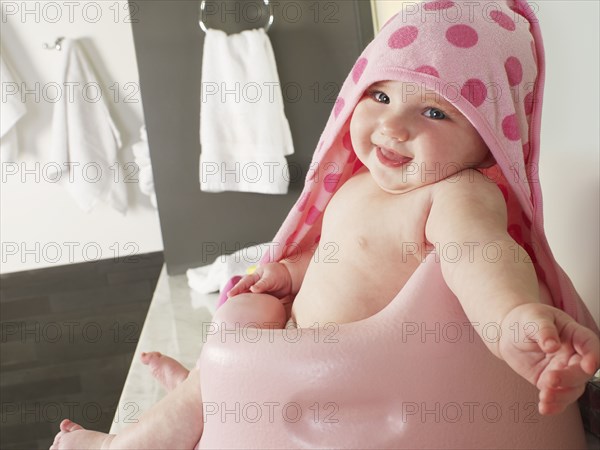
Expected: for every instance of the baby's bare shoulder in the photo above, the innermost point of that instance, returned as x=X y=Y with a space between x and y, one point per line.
x=468 y=202
x=470 y=183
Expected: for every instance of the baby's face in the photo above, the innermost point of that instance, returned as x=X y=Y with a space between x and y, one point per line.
x=411 y=140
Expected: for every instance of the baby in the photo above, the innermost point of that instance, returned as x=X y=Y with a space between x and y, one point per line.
x=419 y=180
x=403 y=206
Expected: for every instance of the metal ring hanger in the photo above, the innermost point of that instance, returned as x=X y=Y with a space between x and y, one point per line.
x=266 y=27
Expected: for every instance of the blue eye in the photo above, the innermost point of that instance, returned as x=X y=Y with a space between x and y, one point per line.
x=436 y=114
x=380 y=97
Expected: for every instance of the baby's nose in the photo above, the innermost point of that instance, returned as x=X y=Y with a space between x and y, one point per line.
x=395 y=129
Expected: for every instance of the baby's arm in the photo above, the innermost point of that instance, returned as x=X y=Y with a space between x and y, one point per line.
x=490 y=277
x=280 y=279
x=297 y=266
x=541 y=343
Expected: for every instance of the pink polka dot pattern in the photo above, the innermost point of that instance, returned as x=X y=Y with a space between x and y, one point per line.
x=331 y=181
x=510 y=128
x=291 y=239
x=475 y=91
x=503 y=20
x=486 y=63
x=530 y=252
x=292 y=249
x=516 y=233
x=303 y=201
x=403 y=37
x=436 y=5
x=528 y=101
x=542 y=276
x=351 y=157
x=339 y=105
x=428 y=70
x=312 y=216
x=358 y=69
x=357 y=165
x=526 y=150
x=462 y=36
x=525 y=219
x=347 y=142
x=514 y=70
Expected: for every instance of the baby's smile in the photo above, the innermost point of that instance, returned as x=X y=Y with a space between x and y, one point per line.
x=391 y=158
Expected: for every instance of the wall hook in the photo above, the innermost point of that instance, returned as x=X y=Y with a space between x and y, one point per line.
x=57 y=45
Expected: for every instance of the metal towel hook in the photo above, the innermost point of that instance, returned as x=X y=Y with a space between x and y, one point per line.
x=57 y=45
x=266 y=27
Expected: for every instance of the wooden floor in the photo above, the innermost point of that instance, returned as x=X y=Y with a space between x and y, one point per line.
x=68 y=335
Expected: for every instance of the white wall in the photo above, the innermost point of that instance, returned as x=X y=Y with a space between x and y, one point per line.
x=384 y=10
x=570 y=156
x=39 y=220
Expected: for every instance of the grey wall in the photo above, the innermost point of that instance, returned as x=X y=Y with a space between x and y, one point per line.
x=316 y=44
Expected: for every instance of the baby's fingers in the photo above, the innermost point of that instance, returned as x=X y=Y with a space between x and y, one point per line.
x=586 y=344
x=570 y=377
x=243 y=285
x=262 y=285
x=542 y=329
x=554 y=401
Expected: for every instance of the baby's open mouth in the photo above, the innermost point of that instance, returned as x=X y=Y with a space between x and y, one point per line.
x=391 y=158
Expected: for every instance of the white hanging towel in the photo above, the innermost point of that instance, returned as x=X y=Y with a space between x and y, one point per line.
x=11 y=111
x=244 y=133
x=141 y=153
x=85 y=138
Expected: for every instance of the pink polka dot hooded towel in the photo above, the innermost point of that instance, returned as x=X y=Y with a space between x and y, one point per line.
x=487 y=59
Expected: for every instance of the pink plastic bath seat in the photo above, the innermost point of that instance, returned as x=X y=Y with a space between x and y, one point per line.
x=415 y=375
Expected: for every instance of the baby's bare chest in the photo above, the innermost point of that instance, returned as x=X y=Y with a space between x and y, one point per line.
x=362 y=221
x=371 y=243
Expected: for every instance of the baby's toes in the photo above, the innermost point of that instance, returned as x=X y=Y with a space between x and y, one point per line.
x=147 y=357
x=67 y=426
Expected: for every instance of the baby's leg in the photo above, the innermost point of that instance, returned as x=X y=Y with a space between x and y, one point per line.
x=260 y=310
x=251 y=310
x=74 y=436
x=166 y=370
x=176 y=421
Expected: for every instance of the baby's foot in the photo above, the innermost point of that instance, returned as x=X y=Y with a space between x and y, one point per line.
x=166 y=370
x=75 y=437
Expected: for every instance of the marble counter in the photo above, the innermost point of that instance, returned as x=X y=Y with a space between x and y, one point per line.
x=173 y=327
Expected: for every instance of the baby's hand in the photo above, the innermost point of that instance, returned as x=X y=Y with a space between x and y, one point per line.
x=550 y=350
x=272 y=278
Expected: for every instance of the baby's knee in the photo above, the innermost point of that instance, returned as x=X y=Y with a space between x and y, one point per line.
x=252 y=310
